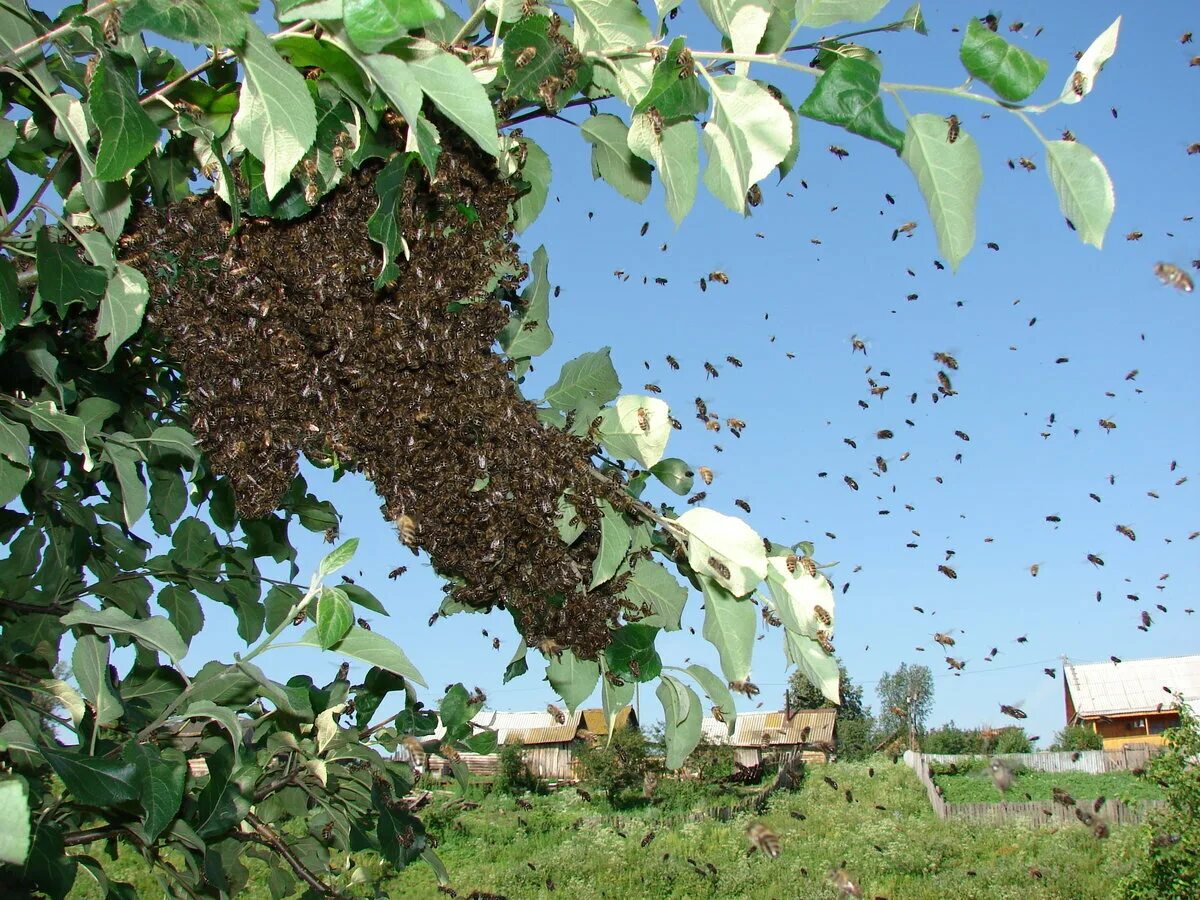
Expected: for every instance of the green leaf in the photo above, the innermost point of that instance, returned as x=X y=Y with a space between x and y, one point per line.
x=16 y=31
x=614 y=698
x=650 y=584
x=612 y=159
x=360 y=596
x=108 y=201
x=949 y=176
x=125 y=460
x=279 y=603
x=454 y=709
x=796 y=596
x=1011 y=72
x=820 y=13
x=748 y=134
x=743 y=21
x=589 y=376
x=373 y=24
x=735 y=547
x=276 y=119
x=383 y=227
x=221 y=804
x=818 y=667
x=547 y=61
x=1083 y=77
x=14 y=442
x=528 y=331
x=13 y=479
x=676 y=154
x=174 y=439
x=573 y=679
x=913 y=18
x=729 y=625
x=62 y=278
x=483 y=743
x=46 y=416
x=448 y=82
x=399 y=84
x=517 y=666
x=337 y=558
x=154 y=633
x=848 y=95
x=161 y=775
x=295 y=10
x=223 y=716
x=674 y=92
x=682 y=715
x=606 y=26
x=127 y=135
x=1085 y=192
x=218 y=23
x=70 y=698
x=89 y=665
x=675 y=474
x=637 y=428
x=14 y=821
x=334 y=617
x=615 y=535
x=168 y=498
x=12 y=304
x=294 y=701
x=718 y=692
x=305 y=52
x=632 y=646
x=94 y=781
x=370 y=647
x=122 y=308
x=183 y=609
x=535 y=172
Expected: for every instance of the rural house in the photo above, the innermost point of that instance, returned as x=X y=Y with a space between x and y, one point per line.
x=549 y=748
x=808 y=734
x=1130 y=702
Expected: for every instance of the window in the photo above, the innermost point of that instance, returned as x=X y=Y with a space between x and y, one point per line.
x=1135 y=724
x=1158 y=726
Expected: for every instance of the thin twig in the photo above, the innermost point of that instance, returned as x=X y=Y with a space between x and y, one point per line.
x=15 y=54
x=48 y=609
x=543 y=112
x=36 y=196
x=279 y=845
x=91 y=835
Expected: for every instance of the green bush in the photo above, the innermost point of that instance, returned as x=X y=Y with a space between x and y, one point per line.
x=712 y=761
x=618 y=766
x=952 y=739
x=1077 y=737
x=1011 y=740
x=514 y=776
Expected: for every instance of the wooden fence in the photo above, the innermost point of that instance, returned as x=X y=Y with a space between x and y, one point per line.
x=1094 y=762
x=1115 y=812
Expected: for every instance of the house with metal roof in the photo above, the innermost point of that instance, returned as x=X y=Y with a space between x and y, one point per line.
x=1130 y=702
x=805 y=733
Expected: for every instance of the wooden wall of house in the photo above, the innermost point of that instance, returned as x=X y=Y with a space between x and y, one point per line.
x=550 y=761
x=1147 y=729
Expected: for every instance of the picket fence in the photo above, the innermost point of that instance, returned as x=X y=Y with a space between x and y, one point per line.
x=1094 y=762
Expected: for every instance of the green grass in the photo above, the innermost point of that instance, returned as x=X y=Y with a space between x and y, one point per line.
x=901 y=851
x=977 y=787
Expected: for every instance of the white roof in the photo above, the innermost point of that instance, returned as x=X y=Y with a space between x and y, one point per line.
x=526 y=727
x=713 y=731
x=1133 y=685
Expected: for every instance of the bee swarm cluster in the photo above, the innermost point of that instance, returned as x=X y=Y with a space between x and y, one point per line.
x=287 y=348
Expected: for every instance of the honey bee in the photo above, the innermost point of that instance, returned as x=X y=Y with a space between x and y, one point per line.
x=339 y=150
x=843 y=883
x=711 y=370
x=791 y=562
x=311 y=193
x=656 y=121
x=652 y=388
x=1027 y=164
x=1012 y=711
x=962 y=435
x=687 y=65
x=839 y=152
x=706 y=474
x=556 y=713
x=300 y=617
x=448 y=752
x=1068 y=135
x=635 y=668
x=947 y=571
x=735 y=424
x=1078 y=83
x=823 y=639
x=944 y=639
x=1193 y=149
x=857 y=344
x=946 y=360
x=594 y=428
x=433 y=618
x=749 y=688
x=675 y=423
x=809 y=565
x=850 y=482
x=763 y=839
x=1107 y=424
x=672 y=362
x=1095 y=560
x=956 y=664
x=718 y=276
x=944 y=385
x=614 y=679
x=884 y=434
x=643 y=419
x=191 y=110
x=696 y=497
x=364 y=624
x=495 y=643
x=719 y=567
x=734 y=361
x=327 y=832
x=742 y=504
x=881 y=464
x=703 y=285
x=823 y=615
x=112 y=28
x=718 y=714
x=1127 y=531
x=407 y=526
x=525 y=57
x=397 y=572
x=952 y=129
x=754 y=196
x=1169 y=273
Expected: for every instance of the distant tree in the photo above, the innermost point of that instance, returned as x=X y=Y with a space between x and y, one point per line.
x=855 y=724
x=1077 y=737
x=1010 y=740
x=617 y=766
x=513 y=776
x=906 y=699
x=949 y=738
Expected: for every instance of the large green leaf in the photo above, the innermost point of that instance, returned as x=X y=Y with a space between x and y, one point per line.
x=183 y=609
x=615 y=535
x=126 y=460
x=94 y=781
x=108 y=201
x=734 y=547
x=848 y=95
x=718 y=692
x=573 y=679
x=373 y=24
x=223 y=716
x=532 y=57
x=612 y=158
x=676 y=154
x=637 y=427
x=1083 y=77
x=62 y=278
x=14 y=821
x=1011 y=72
x=370 y=647
x=89 y=664
x=796 y=596
x=651 y=586
x=162 y=775
x=818 y=667
x=528 y=331
x=14 y=442
x=535 y=172
x=676 y=474
x=589 y=376
x=383 y=227
x=743 y=22
x=276 y=119
x=219 y=23
x=127 y=135
x=221 y=804
x=16 y=30
x=614 y=697
x=337 y=558
x=1085 y=192
x=632 y=646
x=747 y=135
x=122 y=308
x=682 y=715
x=448 y=82
x=154 y=633
x=399 y=84
x=12 y=301
x=820 y=13
x=294 y=701
x=334 y=617
x=729 y=625
x=674 y=91
x=949 y=176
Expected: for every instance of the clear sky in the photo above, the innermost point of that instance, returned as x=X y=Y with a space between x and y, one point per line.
x=1101 y=310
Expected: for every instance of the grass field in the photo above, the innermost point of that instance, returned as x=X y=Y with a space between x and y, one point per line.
x=977 y=787
x=887 y=836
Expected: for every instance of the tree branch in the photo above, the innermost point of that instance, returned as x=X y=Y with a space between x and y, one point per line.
x=543 y=112
x=48 y=609
x=264 y=835
x=91 y=835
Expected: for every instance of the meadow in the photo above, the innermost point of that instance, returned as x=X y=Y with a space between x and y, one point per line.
x=976 y=786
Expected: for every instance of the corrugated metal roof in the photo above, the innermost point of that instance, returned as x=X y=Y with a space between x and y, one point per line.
x=1133 y=685
x=529 y=727
x=773 y=729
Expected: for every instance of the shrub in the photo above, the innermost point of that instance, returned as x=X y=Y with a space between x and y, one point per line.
x=1077 y=737
x=514 y=776
x=712 y=761
x=952 y=739
x=1011 y=740
x=618 y=766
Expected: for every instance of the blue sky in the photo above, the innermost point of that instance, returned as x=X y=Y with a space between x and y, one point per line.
x=1102 y=310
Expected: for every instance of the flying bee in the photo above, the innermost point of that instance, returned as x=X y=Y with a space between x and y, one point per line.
x=652 y=388
x=675 y=423
x=711 y=370
x=525 y=57
x=1078 y=83
x=850 y=482
x=947 y=571
x=1095 y=560
x=1068 y=135
x=763 y=839
x=735 y=424
x=719 y=567
x=706 y=474
x=944 y=385
x=1012 y=711
x=742 y=504
x=962 y=435
x=1027 y=164
x=364 y=624
x=857 y=344
x=656 y=121
x=749 y=688
x=1127 y=531
x=697 y=497
x=718 y=714
x=672 y=362
x=558 y=715
x=823 y=615
x=397 y=572
x=1134 y=236
x=406 y=525
x=433 y=618
x=946 y=360
x=1169 y=273
x=643 y=419
x=734 y=361
x=1107 y=424
x=614 y=679
x=884 y=434
x=719 y=276
x=956 y=664
x=701 y=408
x=839 y=152
x=448 y=752
x=881 y=464
x=327 y=832
x=754 y=196
x=952 y=128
